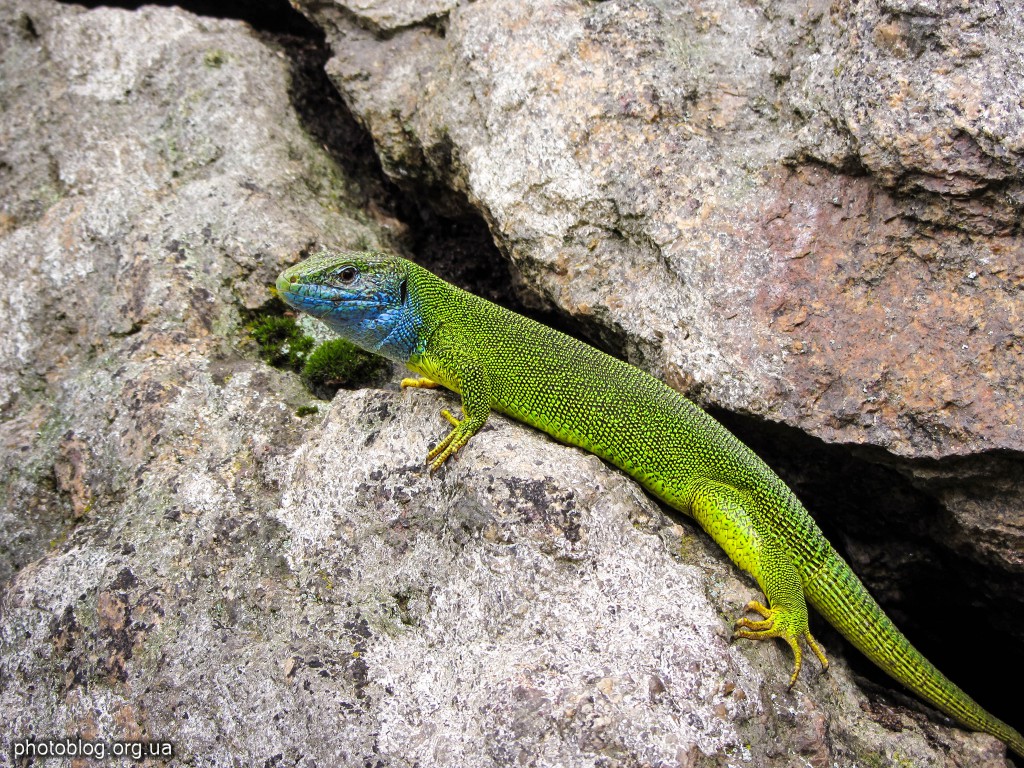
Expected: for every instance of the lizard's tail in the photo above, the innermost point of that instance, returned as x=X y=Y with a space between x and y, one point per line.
x=838 y=595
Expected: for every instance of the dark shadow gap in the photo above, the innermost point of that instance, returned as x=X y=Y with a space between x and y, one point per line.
x=454 y=241
x=275 y=16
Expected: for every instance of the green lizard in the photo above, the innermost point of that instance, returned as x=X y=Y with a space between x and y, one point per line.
x=499 y=360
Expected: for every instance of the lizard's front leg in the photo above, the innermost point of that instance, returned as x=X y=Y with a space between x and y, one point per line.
x=464 y=375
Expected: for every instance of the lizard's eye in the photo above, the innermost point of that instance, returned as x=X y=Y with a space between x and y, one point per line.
x=348 y=275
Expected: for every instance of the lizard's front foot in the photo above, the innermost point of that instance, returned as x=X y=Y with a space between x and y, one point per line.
x=458 y=437
x=777 y=622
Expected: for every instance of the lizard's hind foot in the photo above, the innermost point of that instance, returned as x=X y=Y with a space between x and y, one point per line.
x=775 y=622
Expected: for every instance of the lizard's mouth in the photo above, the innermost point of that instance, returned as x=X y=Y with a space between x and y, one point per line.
x=317 y=299
x=305 y=297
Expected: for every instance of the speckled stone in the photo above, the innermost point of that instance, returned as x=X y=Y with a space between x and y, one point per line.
x=801 y=210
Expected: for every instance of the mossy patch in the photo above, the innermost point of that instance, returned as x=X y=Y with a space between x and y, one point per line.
x=339 y=363
x=281 y=342
x=325 y=369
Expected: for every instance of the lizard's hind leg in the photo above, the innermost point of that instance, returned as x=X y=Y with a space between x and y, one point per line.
x=724 y=512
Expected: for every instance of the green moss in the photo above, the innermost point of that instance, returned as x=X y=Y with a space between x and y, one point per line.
x=306 y=410
x=325 y=369
x=215 y=58
x=281 y=342
x=339 y=363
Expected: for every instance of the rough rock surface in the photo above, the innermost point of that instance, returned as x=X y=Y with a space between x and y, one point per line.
x=186 y=559
x=646 y=164
x=151 y=191
x=805 y=211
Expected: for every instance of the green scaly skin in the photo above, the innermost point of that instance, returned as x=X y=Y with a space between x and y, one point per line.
x=499 y=360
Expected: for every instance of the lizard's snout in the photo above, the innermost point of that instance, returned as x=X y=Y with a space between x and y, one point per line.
x=287 y=281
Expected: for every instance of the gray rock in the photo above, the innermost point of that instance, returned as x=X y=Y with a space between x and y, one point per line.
x=657 y=169
x=154 y=184
x=186 y=559
x=926 y=97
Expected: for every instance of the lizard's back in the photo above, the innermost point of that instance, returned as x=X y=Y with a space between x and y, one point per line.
x=587 y=398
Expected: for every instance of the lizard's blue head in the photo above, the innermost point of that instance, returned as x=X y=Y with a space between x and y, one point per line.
x=363 y=297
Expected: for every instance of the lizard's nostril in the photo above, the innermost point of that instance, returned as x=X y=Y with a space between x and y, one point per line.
x=293 y=279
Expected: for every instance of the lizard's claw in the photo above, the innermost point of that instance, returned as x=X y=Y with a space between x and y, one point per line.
x=454 y=440
x=451 y=442
x=776 y=622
